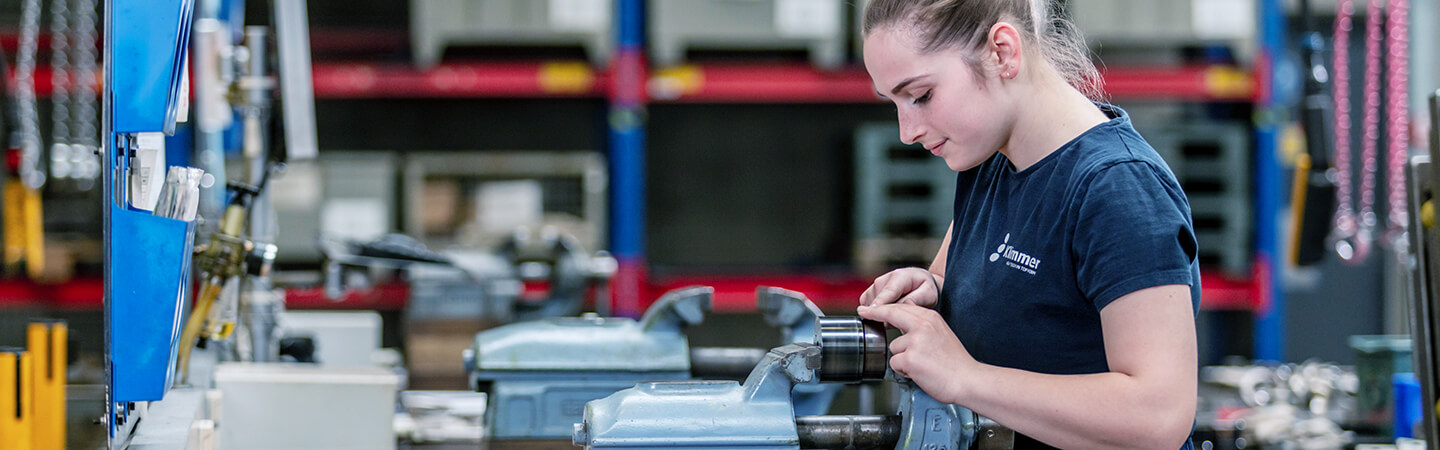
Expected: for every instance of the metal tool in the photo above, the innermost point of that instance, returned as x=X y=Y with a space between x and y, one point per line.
x=759 y=414
x=226 y=256
x=540 y=374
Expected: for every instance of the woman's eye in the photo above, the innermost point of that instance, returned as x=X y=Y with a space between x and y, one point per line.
x=923 y=98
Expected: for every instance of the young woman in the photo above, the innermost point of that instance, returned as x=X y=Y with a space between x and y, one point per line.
x=1062 y=302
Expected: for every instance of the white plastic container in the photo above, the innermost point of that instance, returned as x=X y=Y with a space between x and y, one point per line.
x=302 y=406
x=342 y=338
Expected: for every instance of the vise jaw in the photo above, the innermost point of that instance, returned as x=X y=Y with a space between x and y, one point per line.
x=539 y=374
x=705 y=414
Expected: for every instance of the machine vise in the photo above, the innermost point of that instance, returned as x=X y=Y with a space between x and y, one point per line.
x=759 y=414
x=540 y=374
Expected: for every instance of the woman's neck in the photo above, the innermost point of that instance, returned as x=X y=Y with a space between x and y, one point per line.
x=1053 y=114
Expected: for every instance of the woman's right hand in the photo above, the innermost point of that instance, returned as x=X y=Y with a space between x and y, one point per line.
x=908 y=285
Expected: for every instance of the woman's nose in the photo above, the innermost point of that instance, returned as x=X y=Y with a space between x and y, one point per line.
x=910 y=128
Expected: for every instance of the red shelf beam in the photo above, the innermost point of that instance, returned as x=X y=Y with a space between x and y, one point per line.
x=733 y=294
x=81 y=294
x=761 y=84
x=489 y=80
x=1199 y=83
x=720 y=83
x=385 y=297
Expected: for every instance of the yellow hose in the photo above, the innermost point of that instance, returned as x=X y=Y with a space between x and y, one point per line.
x=208 y=292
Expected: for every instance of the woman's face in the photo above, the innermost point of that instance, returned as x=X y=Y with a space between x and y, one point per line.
x=940 y=102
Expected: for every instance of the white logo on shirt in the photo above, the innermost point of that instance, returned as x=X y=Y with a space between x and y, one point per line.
x=1014 y=258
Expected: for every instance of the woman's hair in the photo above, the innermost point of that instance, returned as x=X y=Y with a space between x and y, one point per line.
x=965 y=24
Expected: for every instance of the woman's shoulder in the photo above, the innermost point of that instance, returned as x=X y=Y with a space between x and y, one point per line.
x=1114 y=143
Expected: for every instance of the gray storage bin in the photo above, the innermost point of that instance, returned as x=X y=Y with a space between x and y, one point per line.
x=814 y=25
x=435 y=24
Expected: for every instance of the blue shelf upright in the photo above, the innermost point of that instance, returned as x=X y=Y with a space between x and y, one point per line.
x=1270 y=317
x=627 y=157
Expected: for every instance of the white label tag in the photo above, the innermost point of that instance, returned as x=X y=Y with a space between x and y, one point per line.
x=580 y=15
x=147 y=170
x=807 y=18
x=1223 y=19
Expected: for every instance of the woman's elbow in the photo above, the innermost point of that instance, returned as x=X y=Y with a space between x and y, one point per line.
x=1172 y=425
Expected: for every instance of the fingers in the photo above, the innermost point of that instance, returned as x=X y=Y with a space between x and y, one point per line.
x=921 y=296
x=908 y=285
x=902 y=316
x=889 y=294
x=868 y=298
x=900 y=344
x=900 y=363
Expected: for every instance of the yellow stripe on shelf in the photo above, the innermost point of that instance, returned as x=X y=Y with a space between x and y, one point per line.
x=674 y=82
x=1229 y=82
x=566 y=78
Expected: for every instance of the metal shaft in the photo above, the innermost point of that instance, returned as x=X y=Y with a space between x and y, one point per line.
x=852 y=349
x=848 y=432
x=729 y=363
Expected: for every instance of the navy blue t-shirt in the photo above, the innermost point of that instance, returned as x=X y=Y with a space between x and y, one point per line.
x=1036 y=254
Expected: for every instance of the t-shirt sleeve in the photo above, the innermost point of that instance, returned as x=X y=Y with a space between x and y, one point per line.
x=1133 y=232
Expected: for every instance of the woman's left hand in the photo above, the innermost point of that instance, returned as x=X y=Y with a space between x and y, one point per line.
x=927 y=351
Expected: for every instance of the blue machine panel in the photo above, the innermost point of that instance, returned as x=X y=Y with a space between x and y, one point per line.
x=149 y=41
x=149 y=269
x=147 y=257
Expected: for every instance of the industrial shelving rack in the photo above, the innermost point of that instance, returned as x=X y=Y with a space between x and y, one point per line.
x=628 y=85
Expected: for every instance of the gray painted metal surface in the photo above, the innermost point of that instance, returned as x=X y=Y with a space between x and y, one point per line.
x=591 y=343
x=540 y=374
x=705 y=414
x=759 y=414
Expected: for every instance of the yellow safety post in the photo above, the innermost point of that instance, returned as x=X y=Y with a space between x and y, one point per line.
x=47 y=342
x=15 y=399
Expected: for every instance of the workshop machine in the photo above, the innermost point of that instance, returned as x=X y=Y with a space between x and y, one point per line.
x=759 y=413
x=540 y=374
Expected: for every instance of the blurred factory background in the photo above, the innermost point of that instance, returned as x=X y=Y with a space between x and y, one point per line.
x=477 y=163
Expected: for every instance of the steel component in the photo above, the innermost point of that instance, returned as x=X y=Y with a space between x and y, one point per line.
x=726 y=363
x=796 y=316
x=1425 y=272
x=853 y=349
x=927 y=423
x=791 y=311
x=705 y=414
x=540 y=374
x=760 y=412
x=848 y=432
x=991 y=435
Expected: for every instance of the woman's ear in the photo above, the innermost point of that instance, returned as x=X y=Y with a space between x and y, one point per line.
x=1005 y=50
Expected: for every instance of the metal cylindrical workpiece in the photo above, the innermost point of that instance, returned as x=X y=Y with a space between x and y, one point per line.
x=729 y=363
x=991 y=435
x=852 y=349
x=848 y=432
